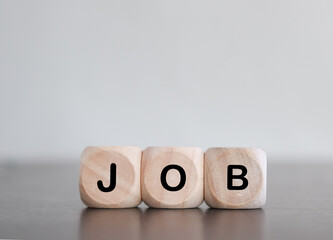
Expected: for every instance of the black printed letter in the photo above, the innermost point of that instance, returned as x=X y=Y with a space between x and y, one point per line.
x=182 y=177
x=230 y=177
x=110 y=188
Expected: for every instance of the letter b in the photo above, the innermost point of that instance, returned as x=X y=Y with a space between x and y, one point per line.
x=230 y=177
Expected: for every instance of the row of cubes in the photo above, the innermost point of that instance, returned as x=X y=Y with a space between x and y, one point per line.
x=173 y=177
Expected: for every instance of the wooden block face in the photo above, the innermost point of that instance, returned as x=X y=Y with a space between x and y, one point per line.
x=172 y=177
x=235 y=178
x=110 y=176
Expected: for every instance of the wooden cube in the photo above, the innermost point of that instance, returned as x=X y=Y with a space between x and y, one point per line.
x=172 y=177
x=235 y=178
x=110 y=176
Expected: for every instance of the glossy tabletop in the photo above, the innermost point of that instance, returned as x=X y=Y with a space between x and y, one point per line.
x=41 y=201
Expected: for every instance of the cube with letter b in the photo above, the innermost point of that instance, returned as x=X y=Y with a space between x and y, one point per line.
x=235 y=178
x=172 y=177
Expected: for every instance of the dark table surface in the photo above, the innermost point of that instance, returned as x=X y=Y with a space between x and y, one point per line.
x=41 y=201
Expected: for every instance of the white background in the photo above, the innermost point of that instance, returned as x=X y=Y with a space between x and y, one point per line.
x=168 y=72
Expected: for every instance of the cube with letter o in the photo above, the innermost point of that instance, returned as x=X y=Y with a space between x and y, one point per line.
x=172 y=177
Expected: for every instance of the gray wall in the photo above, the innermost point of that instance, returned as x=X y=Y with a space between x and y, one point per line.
x=188 y=73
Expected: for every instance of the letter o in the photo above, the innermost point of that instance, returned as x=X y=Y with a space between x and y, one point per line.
x=182 y=177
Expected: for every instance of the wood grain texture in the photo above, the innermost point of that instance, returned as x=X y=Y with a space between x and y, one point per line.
x=217 y=195
x=155 y=159
x=95 y=166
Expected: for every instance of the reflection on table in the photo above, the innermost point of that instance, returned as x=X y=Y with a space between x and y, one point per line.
x=171 y=224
